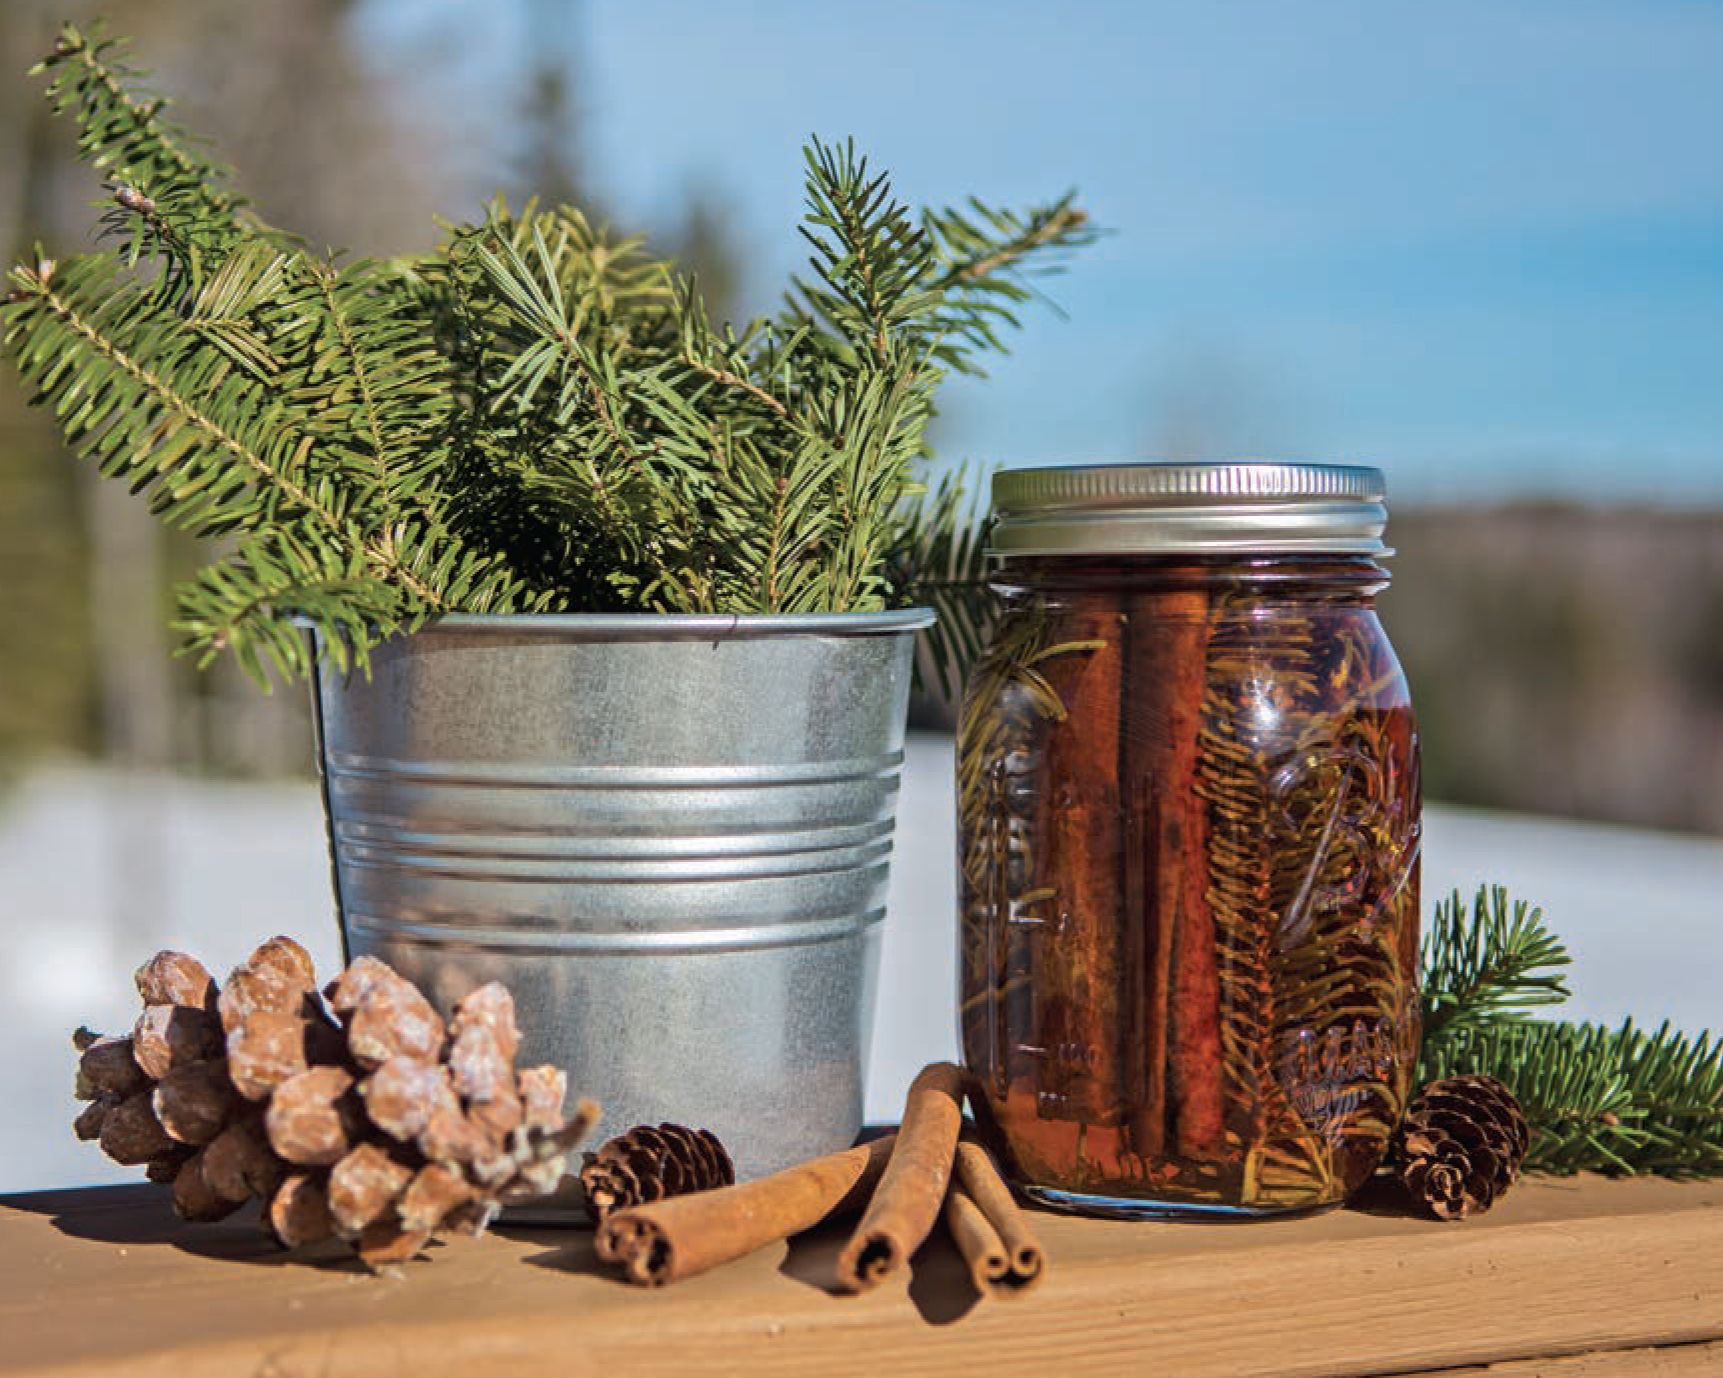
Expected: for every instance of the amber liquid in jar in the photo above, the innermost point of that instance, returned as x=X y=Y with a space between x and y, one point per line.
x=1189 y=841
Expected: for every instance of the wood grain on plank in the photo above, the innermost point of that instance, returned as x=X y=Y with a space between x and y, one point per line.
x=1663 y=1361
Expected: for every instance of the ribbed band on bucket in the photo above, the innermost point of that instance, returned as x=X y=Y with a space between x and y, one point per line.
x=1238 y=506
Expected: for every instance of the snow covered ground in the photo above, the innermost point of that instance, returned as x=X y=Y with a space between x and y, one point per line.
x=98 y=871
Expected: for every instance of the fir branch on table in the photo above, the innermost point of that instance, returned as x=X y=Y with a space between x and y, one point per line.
x=1495 y=961
x=535 y=416
x=1618 y=1100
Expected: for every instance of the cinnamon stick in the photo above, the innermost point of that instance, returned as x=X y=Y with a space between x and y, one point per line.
x=912 y=1188
x=1178 y=1111
x=1078 y=1032
x=665 y=1241
x=991 y=1233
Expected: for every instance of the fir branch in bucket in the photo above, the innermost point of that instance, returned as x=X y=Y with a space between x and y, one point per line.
x=536 y=416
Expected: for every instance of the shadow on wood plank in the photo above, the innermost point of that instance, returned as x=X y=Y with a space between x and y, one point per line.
x=144 y=1215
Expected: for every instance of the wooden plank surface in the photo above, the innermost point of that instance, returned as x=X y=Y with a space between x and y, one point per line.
x=1629 y=1273
x=1663 y=1361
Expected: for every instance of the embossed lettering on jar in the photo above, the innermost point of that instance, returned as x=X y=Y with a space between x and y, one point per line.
x=1189 y=839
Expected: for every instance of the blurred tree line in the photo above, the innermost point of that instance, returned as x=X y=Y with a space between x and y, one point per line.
x=1566 y=659
x=335 y=140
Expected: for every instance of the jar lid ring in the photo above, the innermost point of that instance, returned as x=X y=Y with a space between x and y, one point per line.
x=1239 y=506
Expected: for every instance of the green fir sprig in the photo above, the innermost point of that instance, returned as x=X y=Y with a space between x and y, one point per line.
x=1622 y=1101
x=1494 y=962
x=535 y=416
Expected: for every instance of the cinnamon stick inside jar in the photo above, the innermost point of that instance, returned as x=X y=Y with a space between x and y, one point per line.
x=1212 y=926
x=1173 y=1076
x=1077 y=1010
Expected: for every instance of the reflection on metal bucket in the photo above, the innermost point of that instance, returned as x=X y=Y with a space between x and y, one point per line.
x=667 y=835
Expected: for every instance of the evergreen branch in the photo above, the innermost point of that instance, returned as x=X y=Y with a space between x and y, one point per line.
x=1612 y=1100
x=123 y=132
x=224 y=310
x=143 y=422
x=941 y=563
x=984 y=257
x=146 y=421
x=1619 y=1101
x=254 y=602
x=1492 y=964
x=971 y=257
x=172 y=200
x=376 y=390
x=258 y=602
x=868 y=253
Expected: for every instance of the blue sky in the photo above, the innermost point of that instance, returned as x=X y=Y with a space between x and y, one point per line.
x=1478 y=243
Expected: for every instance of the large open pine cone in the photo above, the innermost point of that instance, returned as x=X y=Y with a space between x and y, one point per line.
x=647 y=1163
x=1460 y=1145
x=378 y=1123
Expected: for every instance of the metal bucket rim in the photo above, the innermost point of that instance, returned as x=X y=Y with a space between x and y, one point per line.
x=671 y=626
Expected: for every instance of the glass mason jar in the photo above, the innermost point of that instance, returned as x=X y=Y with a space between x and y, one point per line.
x=1188 y=841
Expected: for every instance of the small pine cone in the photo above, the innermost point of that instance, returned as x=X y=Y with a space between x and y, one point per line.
x=1460 y=1145
x=647 y=1163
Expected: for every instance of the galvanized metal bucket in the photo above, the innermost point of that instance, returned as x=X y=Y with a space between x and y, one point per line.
x=668 y=835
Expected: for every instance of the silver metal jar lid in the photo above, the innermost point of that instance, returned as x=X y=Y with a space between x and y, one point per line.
x=1242 y=506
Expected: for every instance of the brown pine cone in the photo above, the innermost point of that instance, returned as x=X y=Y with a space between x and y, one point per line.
x=647 y=1163
x=377 y=1124
x=1460 y=1145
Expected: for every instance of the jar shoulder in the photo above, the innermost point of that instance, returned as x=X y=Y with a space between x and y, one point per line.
x=1329 y=650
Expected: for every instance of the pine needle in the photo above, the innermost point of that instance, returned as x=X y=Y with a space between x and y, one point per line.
x=1496 y=961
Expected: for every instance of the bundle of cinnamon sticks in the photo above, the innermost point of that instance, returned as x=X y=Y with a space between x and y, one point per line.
x=903 y=1183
